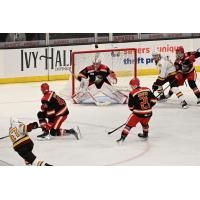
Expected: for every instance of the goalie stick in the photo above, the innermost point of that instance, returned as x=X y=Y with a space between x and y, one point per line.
x=97 y=102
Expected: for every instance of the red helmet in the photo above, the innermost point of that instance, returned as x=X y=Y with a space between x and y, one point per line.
x=134 y=82
x=44 y=88
x=180 y=49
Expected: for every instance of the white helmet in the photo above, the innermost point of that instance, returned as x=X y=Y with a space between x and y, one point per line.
x=155 y=52
x=14 y=122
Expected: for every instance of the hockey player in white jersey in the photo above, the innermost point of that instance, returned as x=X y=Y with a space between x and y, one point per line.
x=22 y=144
x=167 y=73
x=98 y=78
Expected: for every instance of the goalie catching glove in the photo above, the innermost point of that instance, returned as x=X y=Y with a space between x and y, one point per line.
x=98 y=79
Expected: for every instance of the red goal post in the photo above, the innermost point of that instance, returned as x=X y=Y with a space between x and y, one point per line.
x=123 y=61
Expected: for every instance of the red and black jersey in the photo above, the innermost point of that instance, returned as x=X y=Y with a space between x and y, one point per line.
x=141 y=100
x=56 y=106
x=185 y=65
x=92 y=73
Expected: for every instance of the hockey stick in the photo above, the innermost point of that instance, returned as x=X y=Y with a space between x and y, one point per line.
x=162 y=92
x=125 y=123
x=4 y=137
x=116 y=129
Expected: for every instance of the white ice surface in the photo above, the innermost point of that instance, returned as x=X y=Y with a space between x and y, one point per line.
x=174 y=132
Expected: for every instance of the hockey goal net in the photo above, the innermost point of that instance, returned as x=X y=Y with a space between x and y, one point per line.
x=122 y=61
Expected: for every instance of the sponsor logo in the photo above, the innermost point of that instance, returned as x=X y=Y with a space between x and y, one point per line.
x=53 y=60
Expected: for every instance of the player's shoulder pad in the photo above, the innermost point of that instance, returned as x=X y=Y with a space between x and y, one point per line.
x=90 y=67
x=145 y=89
x=47 y=97
x=103 y=67
x=138 y=90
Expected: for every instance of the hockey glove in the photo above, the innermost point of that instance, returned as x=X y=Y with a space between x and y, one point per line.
x=154 y=87
x=98 y=79
x=34 y=125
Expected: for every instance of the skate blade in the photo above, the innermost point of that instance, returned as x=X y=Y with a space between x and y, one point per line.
x=43 y=139
x=77 y=129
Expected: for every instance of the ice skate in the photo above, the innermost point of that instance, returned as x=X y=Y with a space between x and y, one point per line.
x=44 y=136
x=76 y=132
x=121 y=140
x=184 y=105
x=162 y=98
x=143 y=135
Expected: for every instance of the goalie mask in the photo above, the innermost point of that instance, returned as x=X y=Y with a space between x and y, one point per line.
x=180 y=52
x=134 y=83
x=44 y=88
x=97 y=63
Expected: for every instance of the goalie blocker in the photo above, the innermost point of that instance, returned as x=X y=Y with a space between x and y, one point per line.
x=98 y=78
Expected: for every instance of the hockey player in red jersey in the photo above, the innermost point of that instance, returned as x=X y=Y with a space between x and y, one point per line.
x=185 y=69
x=167 y=74
x=141 y=100
x=54 y=112
x=98 y=78
x=22 y=144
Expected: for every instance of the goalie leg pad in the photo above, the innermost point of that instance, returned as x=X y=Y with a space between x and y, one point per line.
x=114 y=94
x=80 y=97
x=85 y=94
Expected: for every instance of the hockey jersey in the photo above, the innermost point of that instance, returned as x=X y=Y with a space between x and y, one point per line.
x=185 y=65
x=93 y=74
x=19 y=134
x=166 y=68
x=141 y=100
x=54 y=105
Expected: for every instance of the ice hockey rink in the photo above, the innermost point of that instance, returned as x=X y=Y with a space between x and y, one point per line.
x=174 y=132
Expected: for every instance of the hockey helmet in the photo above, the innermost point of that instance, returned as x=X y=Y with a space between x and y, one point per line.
x=44 y=88
x=97 y=62
x=179 y=52
x=134 y=83
x=180 y=49
x=155 y=52
x=14 y=122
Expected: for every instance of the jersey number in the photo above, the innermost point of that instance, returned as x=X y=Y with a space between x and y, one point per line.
x=14 y=135
x=60 y=101
x=144 y=103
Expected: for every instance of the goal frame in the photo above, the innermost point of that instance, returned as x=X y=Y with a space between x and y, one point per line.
x=96 y=51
